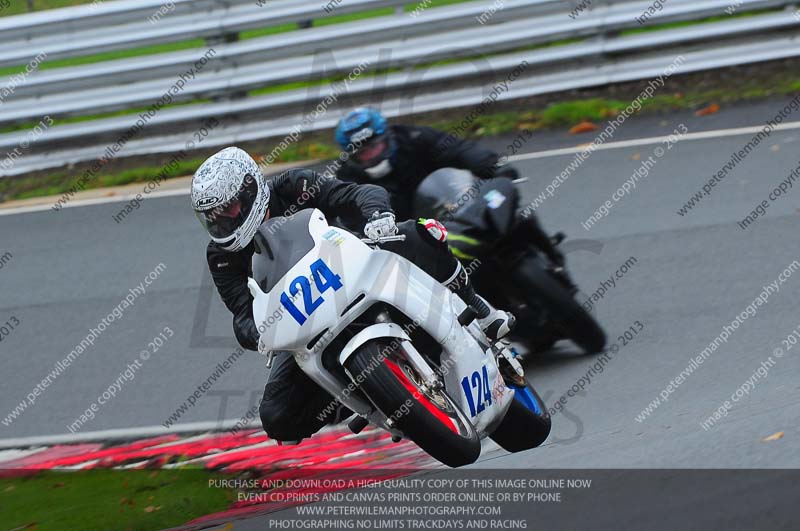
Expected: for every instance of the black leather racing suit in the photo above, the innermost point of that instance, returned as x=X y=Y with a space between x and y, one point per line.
x=332 y=196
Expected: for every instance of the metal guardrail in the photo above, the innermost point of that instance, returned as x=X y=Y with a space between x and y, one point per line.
x=349 y=59
x=614 y=57
x=116 y=25
x=582 y=77
x=284 y=55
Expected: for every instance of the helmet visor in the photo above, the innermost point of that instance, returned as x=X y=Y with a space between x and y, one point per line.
x=373 y=152
x=223 y=220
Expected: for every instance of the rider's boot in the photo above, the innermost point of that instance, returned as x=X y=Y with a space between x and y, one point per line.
x=495 y=323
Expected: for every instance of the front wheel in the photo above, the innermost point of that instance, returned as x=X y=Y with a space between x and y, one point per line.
x=526 y=424
x=568 y=317
x=430 y=419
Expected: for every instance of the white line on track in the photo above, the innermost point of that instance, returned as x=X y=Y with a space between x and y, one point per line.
x=88 y=202
x=703 y=135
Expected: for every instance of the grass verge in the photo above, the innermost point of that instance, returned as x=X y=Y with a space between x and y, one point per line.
x=58 y=182
x=18 y=7
x=100 y=500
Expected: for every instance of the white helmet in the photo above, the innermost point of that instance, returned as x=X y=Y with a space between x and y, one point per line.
x=230 y=198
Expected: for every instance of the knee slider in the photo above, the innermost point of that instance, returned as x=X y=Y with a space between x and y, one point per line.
x=279 y=424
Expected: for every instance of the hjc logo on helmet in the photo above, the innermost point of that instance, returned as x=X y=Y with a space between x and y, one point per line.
x=360 y=136
x=207 y=201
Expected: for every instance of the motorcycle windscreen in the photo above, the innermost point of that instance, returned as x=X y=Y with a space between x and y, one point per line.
x=280 y=243
x=479 y=205
x=443 y=192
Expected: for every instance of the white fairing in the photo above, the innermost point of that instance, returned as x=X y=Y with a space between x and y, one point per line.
x=378 y=276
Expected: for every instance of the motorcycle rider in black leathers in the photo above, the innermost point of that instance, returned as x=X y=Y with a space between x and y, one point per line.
x=399 y=157
x=231 y=198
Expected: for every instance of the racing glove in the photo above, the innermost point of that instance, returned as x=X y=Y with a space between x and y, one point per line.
x=380 y=225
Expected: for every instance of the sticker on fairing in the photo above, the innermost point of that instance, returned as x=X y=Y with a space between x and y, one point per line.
x=494 y=199
x=334 y=236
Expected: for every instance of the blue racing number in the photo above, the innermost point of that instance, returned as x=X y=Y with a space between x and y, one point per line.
x=477 y=391
x=324 y=279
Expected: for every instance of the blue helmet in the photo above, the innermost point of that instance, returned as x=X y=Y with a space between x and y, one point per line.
x=364 y=133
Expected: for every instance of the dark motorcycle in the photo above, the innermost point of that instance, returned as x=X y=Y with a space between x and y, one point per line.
x=483 y=226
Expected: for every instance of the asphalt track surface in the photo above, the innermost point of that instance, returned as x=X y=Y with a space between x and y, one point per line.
x=693 y=275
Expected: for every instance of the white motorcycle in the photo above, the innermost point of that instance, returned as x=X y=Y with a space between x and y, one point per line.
x=388 y=341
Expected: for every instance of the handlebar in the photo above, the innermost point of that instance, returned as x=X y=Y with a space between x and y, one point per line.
x=395 y=238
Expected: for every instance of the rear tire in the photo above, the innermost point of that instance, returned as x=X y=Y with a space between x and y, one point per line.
x=569 y=317
x=524 y=426
x=434 y=423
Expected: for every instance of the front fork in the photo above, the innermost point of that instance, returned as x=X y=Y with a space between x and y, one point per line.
x=510 y=367
x=505 y=355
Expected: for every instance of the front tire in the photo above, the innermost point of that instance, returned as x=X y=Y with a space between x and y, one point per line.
x=432 y=421
x=569 y=317
x=526 y=424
